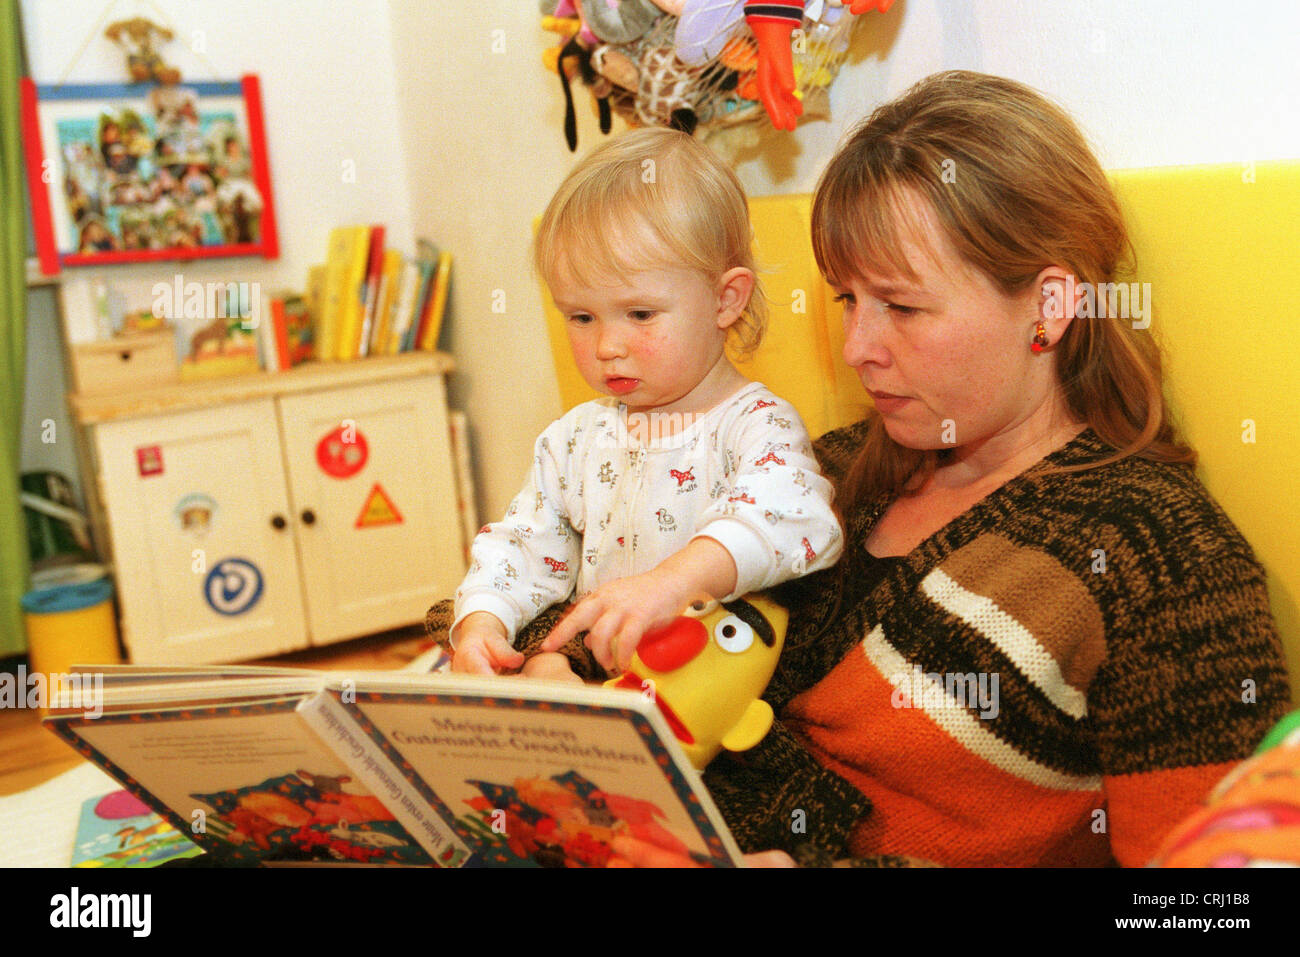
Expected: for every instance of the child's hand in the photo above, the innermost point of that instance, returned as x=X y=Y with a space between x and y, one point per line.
x=482 y=646
x=550 y=666
x=616 y=615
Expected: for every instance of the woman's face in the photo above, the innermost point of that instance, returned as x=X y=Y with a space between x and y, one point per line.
x=946 y=357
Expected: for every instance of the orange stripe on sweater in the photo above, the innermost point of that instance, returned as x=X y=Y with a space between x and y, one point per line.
x=932 y=798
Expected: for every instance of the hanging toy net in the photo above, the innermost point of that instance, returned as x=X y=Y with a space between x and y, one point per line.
x=709 y=85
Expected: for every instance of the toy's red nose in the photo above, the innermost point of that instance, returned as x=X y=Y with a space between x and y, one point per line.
x=670 y=647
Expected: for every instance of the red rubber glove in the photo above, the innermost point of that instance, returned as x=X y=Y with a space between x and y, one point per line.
x=776 y=72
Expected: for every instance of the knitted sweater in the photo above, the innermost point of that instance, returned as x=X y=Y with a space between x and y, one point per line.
x=1125 y=621
x=1127 y=624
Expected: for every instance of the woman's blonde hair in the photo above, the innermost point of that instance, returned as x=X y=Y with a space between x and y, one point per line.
x=651 y=189
x=1016 y=189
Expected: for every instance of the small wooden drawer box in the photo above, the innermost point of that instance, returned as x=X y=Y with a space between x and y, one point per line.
x=128 y=363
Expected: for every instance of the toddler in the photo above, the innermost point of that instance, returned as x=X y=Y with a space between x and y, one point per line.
x=687 y=480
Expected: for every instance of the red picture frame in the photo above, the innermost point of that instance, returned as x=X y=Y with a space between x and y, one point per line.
x=140 y=172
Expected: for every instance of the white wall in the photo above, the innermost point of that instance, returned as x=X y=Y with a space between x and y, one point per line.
x=461 y=140
x=329 y=95
x=1151 y=82
x=1156 y=82
x=328 y=91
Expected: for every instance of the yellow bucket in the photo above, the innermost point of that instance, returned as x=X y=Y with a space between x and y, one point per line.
x=71 y=625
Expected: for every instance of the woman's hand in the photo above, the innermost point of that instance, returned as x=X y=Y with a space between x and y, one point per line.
x=636 y=853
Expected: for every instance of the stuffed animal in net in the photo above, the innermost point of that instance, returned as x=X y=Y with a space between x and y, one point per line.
x=701 y=64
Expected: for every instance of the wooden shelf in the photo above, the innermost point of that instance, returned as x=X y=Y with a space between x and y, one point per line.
x=310 y=377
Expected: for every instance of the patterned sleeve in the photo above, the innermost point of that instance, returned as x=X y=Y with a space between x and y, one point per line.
x=529 y=560
x=1186 y=696
x=775 y=517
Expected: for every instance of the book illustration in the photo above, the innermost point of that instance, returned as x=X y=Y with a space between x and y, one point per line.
x=310 y=817
x=118 y=830
x=451 y=746
x=263 y=765
x=234 y=777
x=562 y=821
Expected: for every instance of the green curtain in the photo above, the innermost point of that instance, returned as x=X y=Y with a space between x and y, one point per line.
x=14 y=566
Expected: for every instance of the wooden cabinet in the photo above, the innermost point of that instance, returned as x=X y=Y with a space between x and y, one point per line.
x=253 y=517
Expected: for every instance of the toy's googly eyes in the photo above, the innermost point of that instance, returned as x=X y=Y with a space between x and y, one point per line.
x=733 y=635
x=700 y=607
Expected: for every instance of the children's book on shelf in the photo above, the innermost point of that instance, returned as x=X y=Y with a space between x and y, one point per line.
x=426 y=259
x=371 y=300
x=388 y=288
x=408 y=292
x=431 y=327
x=360 y=345
x=275 y=766
x=346 y=263
x=291 y=323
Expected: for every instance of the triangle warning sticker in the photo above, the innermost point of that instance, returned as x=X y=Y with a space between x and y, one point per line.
x=378 y=510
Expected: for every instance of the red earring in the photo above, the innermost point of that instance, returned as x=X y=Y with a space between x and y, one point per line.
x=1040 y=338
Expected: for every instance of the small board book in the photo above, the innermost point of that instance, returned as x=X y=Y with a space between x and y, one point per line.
x=117 y=830
x=398 y=768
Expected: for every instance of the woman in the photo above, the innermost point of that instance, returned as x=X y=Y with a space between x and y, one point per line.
x=1045 y=641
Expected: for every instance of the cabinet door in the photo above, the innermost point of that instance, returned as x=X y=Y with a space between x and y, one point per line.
x=371 y=478
x=205 y=572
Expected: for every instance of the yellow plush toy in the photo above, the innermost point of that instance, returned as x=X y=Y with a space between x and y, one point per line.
x=707 y=671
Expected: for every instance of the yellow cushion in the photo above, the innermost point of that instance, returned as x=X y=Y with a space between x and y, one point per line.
x=1220 y=254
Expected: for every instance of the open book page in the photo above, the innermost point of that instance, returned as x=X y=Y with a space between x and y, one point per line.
x=245 y=781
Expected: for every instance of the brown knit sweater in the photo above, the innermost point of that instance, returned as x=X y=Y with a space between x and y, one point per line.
x=1055 y=677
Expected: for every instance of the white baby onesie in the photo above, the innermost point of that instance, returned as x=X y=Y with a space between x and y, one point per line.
x=601 y=505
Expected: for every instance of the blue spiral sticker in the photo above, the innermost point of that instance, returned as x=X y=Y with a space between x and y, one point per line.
x=233 y=586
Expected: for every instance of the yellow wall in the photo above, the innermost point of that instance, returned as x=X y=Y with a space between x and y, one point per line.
x=1220 y=253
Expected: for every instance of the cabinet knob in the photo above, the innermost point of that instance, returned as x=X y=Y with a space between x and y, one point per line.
x=308 y=516
x=278 y=522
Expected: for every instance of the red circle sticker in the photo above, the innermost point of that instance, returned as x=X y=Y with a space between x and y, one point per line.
x=342 y=453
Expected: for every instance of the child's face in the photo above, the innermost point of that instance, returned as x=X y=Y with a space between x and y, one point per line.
x=652 y=338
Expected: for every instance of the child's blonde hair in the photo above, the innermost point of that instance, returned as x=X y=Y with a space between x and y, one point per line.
x=672 y=189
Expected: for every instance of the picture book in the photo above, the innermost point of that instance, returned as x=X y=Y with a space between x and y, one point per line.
x=291 y=324
x=431 y=328
x=408 y=291
x=118 y=830
x=388 y=283
x=360 y=347
x=399 y=768
x=427 y=257
x=346 y=261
